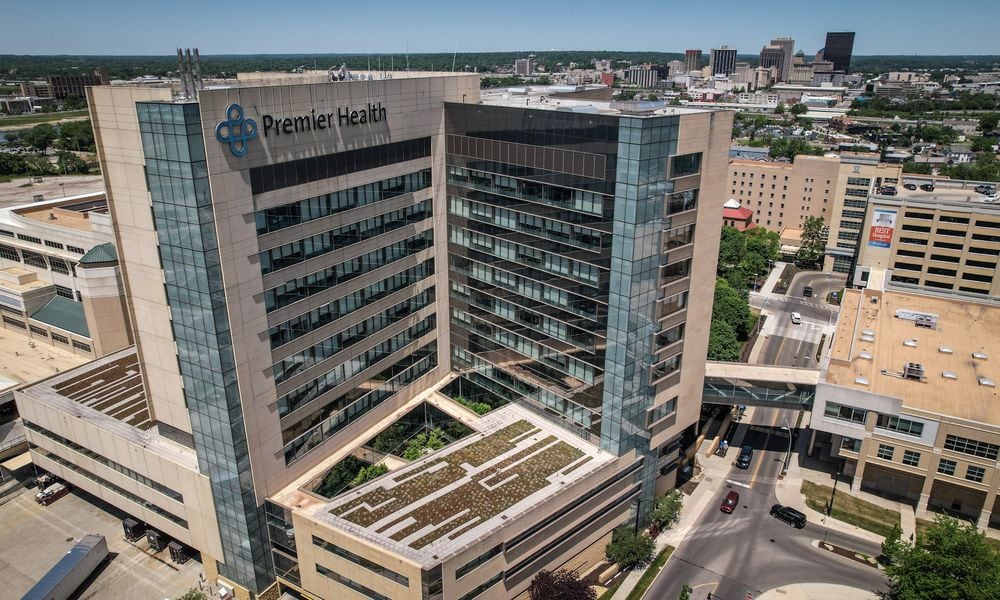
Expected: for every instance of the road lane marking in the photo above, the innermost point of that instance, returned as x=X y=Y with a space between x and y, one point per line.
x=760 y=458
x=746 y=485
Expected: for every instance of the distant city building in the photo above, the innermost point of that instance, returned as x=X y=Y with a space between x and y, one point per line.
x=773 y=56
x=74 y=86
x=788 y=46
x=644 y=76
x=692 y=60
x=525 y=66
x=722 y=60
x=676 y=67
x=838 y=49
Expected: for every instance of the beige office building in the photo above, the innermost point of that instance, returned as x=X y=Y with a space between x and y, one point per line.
x=834 y=187
x=942 y=242
x=908 y=399
x=316 y=263
x=60 y=283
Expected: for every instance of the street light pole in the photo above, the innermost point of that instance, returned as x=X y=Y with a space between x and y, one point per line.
x=638 y=511
x=833 y=494
x=788 y=456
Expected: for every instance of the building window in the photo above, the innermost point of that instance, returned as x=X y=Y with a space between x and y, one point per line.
x=29 y=238
x=81 y=346
x=885 y=452
x=661 y=411
x=975 y=474
x=946 y=467
x=38 y=331
x=13 y=322
x=65 y=292
x=362 y=562
x=971 y=447
x=845 y=413
x=475 y=562
x=911 y=458
x=60 y=338
x=9 y=253
x=34 y=259
x=900 y=425
x=52 y=244
x=357 y=587
x=75 y=249
x=685 y=164
x=850 y=444
x=483 y=587
x=58 y=266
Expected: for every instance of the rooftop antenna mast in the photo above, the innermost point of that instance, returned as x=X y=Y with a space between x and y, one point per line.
x=454 y=57
x=407 y=56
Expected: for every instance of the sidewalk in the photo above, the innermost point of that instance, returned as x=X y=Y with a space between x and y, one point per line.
x=772 y=279
x=789 y=493
x=817 y=591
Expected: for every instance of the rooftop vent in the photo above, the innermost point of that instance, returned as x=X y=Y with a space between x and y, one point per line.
x=913 y=371
x=865 y=355
x=861 y=380
x=949 y=374
x=980 y=355
x=929 y=319
x=986 y=382
x=945 y=350
x=925 y=321
x=870 y=332
x=910 y=343
x=867 y=338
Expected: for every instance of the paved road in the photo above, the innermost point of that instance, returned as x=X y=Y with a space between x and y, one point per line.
x=788 y=344
x=729 y=555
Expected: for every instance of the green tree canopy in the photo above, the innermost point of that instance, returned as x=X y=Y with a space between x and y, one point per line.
x=40 y=137
x=813 y=244
x=989 y=121
x=730 y=305
x=791 y=147
x=629 y=549
x=949 y=561
x=667 y=510
x=798 y=109
x=77 y=135
x=722 y=342
x=731 y=246
x=193 y=594
x=559 y=585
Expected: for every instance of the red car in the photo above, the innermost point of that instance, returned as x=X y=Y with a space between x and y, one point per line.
x=729 y=502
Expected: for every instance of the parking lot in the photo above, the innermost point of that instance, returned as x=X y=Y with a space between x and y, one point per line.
x=34 y=537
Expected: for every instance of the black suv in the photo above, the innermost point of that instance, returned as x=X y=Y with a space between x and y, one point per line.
x=788 y=515
x=746 y=455
x=927 y=187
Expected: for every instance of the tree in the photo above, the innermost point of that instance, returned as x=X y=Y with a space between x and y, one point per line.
x=667 y=510
x=981 y=144
x=77 y=135
x=730 y=305
x=798 y=109
x=629 y=549
x=40 y=137
x=813 y=244
x=559 y=585
x=193 y=594
x=366 y=474
x=779 y=109
x=951 y=560
x=731 y=246
x=892 y=545
x=722 y=342
x=989 y=121
x=685 y=592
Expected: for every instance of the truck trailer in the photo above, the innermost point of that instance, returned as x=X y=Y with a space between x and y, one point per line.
x=71 y=571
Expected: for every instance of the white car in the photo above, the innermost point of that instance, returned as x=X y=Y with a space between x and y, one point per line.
x=796 y=318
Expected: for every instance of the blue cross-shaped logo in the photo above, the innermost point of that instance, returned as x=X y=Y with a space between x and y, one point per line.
x=238 y=131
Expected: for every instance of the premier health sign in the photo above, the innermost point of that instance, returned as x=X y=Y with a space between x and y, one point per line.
x=883 y=226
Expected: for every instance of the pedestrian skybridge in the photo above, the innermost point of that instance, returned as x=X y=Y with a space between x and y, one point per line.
x=759 y=385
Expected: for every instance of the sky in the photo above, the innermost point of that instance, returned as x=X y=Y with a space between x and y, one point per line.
x=392 y=27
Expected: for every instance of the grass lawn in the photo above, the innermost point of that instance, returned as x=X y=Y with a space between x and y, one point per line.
x=650 y=574
x=850 y=509
x=610 y=593
x=41 y=117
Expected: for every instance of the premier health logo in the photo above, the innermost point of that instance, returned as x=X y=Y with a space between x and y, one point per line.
x=236 y=130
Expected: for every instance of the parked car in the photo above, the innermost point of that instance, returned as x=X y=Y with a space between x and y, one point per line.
x=910 y=186
x=51 y=493
x=730 y=502
x=807 y=291
x=887 y=190
x=985 y=189
x=788 y=515
x=927 y=187
x=746 y=455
